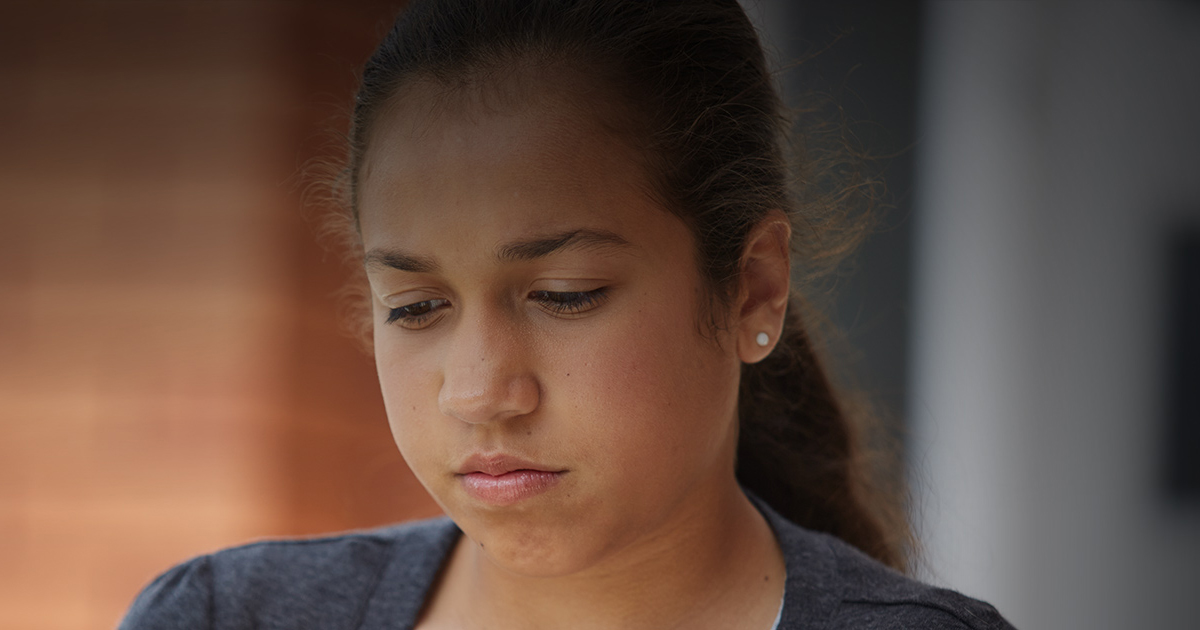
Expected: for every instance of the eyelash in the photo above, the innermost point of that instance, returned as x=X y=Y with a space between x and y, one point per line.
x=415 y=316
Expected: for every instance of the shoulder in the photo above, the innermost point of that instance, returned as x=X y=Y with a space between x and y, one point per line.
x=834 y=586
x=292 y=583
x=872 y=595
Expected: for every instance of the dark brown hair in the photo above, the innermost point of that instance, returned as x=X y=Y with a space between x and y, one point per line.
x=703 y=110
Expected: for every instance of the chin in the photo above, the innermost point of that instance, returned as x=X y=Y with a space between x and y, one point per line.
x=535 y=540
x=530 y=550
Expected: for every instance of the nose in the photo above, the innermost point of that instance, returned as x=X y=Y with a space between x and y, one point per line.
x=486 y=374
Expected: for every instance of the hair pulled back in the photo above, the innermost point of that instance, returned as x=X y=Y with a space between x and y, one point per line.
x=703 y=110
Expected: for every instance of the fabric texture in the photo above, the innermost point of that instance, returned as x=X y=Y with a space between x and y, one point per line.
x=378 y=579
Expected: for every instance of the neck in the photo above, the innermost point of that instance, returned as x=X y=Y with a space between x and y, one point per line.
x=714 y=564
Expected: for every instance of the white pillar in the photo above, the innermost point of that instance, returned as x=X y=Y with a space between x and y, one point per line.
x=977 y=195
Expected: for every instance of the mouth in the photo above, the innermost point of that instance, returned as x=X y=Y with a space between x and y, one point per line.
x=501 y=480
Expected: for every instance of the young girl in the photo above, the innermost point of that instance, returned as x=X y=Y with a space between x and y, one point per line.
x=576 y=225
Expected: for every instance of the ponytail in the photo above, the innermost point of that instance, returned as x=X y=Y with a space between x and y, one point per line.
x=799 y=451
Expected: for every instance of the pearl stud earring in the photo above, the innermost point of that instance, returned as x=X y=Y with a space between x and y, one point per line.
x=763 y=339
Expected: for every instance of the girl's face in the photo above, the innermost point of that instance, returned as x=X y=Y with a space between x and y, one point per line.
x=536 y=331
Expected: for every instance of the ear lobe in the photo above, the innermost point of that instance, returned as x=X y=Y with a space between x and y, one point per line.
x=765 y=287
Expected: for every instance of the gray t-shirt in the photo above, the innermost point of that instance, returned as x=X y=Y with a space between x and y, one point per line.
x=378 y=579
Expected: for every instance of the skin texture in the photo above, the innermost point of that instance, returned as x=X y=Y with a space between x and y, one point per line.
x=625 y=394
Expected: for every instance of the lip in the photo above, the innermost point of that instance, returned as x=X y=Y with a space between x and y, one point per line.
x=501 y=480
x=496 y=464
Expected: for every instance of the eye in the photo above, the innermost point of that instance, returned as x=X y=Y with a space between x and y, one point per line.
x=570 y=302
x=416 y=315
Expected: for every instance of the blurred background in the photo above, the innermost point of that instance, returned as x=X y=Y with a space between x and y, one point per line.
x=173 y=378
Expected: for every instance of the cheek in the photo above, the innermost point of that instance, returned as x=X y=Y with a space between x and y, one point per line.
x=409 y=390
x=650 y=395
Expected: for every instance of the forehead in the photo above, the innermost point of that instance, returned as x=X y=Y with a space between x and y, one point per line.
x=508 y=161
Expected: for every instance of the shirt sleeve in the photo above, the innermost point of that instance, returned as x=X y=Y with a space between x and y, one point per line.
x=180 y=599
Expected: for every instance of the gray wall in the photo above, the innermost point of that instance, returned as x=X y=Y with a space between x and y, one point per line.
x=1059 y=150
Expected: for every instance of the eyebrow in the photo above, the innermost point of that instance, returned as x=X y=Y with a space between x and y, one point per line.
x=516 y=251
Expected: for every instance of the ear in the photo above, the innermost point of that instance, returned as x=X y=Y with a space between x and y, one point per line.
x=765 y=286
